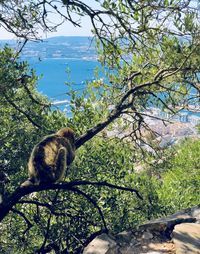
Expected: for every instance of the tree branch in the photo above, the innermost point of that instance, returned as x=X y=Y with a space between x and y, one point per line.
x=20 y=192
x=29 y=224
x=94 y=204
x=22 y=112
x=113 y=115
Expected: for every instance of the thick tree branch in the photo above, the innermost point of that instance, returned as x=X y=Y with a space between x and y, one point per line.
x=99 y=127
x=7 y=205
x=113 y=115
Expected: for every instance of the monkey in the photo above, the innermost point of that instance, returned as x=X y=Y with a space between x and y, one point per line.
x=50 y=157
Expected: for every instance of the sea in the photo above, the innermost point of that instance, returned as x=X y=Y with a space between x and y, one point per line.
x=60 y=60
x=55 y=73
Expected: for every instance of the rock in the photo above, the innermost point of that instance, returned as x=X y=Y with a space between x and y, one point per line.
x=153 y=237
x=187 y=238
x=126 y=250
x=124 y=236
x=122 y=250
x=114 y=250
x=152 y=252
x=100 y=245
x=195 y=212
x=147 y=235
x=165 y=225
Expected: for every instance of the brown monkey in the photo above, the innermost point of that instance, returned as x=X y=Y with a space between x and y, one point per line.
x=50 y=157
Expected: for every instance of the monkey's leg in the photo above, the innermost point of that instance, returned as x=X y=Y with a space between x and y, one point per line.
x=46 y=174
x=29 y=182
x=61 y=164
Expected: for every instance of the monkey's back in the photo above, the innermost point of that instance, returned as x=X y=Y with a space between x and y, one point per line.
x=44 y=155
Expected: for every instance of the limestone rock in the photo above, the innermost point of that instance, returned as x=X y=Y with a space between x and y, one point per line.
x=147 y=235
x=195 y=212
x=126 y=249
x=100 y=245
x=124 y=236
x=166 y=225
x=187 y=238
x=154 y=237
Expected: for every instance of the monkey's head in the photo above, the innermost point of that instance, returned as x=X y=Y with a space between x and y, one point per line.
x=67 y=133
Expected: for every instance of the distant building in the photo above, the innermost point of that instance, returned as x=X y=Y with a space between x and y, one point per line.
x=194 y=119
x=182 y=117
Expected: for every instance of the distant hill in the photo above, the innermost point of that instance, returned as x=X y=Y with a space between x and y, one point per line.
x=73 y=47
x=69 y=39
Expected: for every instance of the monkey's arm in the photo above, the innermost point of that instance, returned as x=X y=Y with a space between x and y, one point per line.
x=70 y=153
x=61 y=164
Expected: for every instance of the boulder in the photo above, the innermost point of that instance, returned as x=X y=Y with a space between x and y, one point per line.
x=124 y=237
x=186 y=237
x=100 y=245
x=166 y=225
x=154 y=237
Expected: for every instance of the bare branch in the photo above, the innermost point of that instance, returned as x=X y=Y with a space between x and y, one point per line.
x=46 y=234
x=94 y=204
x=29 y=224
x=22 y=112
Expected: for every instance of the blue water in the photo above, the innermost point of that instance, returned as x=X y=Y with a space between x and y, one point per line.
x=57 y=71
x=55 y=75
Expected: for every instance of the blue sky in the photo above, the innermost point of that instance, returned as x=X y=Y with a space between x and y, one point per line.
x=67 y=29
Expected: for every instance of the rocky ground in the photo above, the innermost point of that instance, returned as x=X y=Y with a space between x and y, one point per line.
x=175 y=234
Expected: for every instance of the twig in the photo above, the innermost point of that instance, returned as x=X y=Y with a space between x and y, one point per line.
x=94 y=204
x=29 y=224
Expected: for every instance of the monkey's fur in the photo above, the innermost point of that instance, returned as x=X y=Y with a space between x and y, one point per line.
x=50 y=157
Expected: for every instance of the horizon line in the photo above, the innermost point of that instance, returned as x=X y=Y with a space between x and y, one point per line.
x=56 y=36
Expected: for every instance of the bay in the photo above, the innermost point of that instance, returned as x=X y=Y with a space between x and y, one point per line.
x=55 y=72
x=53 y=56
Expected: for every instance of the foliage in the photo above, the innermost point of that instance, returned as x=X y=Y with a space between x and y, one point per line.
x=25 y=117
x=171 y=184
x=180 y=186
x=150 y=53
